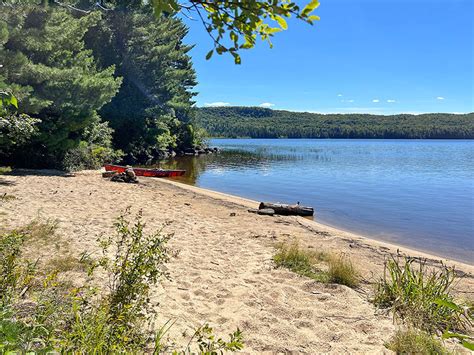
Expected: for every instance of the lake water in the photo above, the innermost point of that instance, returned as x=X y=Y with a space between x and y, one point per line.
x=418 y=193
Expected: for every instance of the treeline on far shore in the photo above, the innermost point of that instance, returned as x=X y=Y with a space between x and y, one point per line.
x=257 y=122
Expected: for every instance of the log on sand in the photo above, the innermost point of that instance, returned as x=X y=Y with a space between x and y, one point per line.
x=284 y=209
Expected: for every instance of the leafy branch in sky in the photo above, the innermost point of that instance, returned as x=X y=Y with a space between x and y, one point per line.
x=234 y=25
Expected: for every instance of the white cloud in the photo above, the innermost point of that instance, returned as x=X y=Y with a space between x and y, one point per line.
x=339 y=95
x=375 y=100
x=266 y=104
x=216 y=104
x=440 y=98
x=391 y=101
x=347 y=100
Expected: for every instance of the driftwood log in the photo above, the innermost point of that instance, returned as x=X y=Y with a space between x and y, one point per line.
x=287 y=210
x=263 y=211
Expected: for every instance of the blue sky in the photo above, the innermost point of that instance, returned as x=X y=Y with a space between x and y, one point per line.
x=375 y=56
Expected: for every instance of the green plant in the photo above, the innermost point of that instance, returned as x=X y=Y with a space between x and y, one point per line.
x=418 y=295
x=25 y=325
x=203 y=341
x=413 y=341
x=300 y=261
x=341 y=271
x=41 y=314
x=5 y=169
x=465 y=314
x=121 y=319
x=306 y=263
x=15 y=275
x=209 y=344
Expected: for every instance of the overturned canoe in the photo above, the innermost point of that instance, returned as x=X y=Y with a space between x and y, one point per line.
x=283 y=209
x=145 y=172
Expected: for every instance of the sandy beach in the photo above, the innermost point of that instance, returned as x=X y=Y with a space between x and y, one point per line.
x=223 y=273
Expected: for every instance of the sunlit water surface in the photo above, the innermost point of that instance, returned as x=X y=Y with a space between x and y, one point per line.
x=418 y=193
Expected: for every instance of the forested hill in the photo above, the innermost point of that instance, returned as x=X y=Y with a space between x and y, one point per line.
x=256 y=122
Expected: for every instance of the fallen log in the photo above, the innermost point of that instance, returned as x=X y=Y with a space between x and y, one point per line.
x=287 y=210
x=263 y=211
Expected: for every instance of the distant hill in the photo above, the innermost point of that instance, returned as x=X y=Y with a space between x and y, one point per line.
x=257 y=122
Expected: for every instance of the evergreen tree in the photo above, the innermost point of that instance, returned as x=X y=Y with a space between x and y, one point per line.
x=152 y=113
x=45 y=63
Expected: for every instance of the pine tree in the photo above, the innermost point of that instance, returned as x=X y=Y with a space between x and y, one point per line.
x=152 y=112
x=45 y=63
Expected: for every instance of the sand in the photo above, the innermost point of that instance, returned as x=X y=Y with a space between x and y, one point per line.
x=223 y=273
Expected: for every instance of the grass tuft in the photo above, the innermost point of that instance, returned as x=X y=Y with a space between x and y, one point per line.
x=65 y=264
x=415 y=342
x=301 y=262
x=341 y=271
x=308 y=263
x=419 y=296
x=40 y=230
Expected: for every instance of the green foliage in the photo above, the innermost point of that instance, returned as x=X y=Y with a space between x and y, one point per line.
x=152 y=111
x=236 y=25
x=203 y=341
x=11 y=272
x=413 y=341
x=467 y=314
x=419 y=296
x=16 y=130
x=94 y=150
x=48 y=68
x=7 y=99
x=39 y=313
x=209 y=344
x=341 y=271
x=121 y=319
x=65 y=67
x=256 y=122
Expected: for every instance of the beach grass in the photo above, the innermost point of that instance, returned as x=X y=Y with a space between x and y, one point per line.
x=412 y=341
x=342 y=271
x=320 y=266
x=419 y=295
x=300 y=261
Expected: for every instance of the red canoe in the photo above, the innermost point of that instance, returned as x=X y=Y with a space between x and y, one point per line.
x=146 y=172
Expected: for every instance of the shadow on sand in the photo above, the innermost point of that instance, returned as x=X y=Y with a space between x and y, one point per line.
x=31 y=172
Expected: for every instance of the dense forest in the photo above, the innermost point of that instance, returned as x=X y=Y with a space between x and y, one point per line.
x=256 y=122
x=93 y=86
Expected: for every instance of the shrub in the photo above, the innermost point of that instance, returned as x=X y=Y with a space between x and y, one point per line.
x=203 y=341
x=41 y=314
x=122 y=318
x=415 y=342
x=341 y=271
x=418 y=295
x=89 y=157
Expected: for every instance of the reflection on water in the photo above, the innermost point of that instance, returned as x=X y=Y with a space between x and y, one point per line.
x=416 y=193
